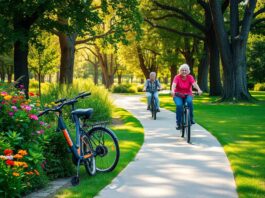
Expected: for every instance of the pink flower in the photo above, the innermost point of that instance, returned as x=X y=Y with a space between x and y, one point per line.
x=40 y=132
x=14 y=108
x=26 y=107
x=42 y=123
x=3 y=93
x=33 y=117
x=11 y=113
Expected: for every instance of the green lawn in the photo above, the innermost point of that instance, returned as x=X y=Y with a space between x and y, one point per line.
x=131 y=136
x=240 y=128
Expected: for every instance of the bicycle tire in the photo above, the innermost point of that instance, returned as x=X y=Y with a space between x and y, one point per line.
x=153 y=108
x=106 y=148
x=86 y=148
x=188 y=125
x=183 y=123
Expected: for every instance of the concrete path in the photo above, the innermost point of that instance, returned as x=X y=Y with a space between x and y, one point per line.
x=167 y=166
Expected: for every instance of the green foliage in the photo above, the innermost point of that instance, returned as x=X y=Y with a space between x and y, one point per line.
x=124 y=88
x=58 y=161
x=99 y=99
x=44 y=55
x=259 y=87
x=256 y=58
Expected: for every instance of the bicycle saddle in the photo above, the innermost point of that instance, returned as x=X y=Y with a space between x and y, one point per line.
x=82 y=112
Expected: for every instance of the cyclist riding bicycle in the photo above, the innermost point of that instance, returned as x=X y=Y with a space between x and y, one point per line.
x=181 y=90
x=150 y=85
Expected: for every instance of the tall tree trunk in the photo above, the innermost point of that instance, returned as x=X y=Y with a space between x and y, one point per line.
x=119 y=78
x=21 y=65
x=10 y=73
x=215 y=78
x=142 y=63
x=21 y=49
x=173 y=72
x=203 y=70
x=2 y=71
x=233 y=53
x=67 y=45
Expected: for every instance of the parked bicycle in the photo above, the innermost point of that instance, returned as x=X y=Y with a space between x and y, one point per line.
x=96 y=146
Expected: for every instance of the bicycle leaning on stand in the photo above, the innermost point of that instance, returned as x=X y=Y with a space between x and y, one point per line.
x=96 y=146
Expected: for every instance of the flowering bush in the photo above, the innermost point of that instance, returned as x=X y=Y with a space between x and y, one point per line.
x=15 y=173
x=21 y=132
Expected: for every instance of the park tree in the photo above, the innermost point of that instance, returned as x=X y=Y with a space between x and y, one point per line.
x=232 y=35
x=43 y=57
x=19 y=21
x=113 y=20
x=88 y=64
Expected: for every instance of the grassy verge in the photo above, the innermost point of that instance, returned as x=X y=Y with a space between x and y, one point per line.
x=131 y=135
x=240 y=128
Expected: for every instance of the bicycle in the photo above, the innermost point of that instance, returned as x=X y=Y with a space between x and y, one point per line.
x=93 y=147
x=153 y=105
x=185 y=118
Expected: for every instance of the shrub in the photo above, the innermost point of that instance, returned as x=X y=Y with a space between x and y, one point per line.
x=34 y=84
x=99 y=99
x=58 y=161
x=259 y=87
x=124 y=88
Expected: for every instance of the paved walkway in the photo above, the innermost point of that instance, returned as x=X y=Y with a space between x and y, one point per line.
x=166 y=166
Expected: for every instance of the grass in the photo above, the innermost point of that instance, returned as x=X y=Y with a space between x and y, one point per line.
x=240 y=128
x=131 y=135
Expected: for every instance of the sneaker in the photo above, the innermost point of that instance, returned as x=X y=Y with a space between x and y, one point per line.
x=158 y=110
x=192 y=122
x=148 y=107
x=178 y=127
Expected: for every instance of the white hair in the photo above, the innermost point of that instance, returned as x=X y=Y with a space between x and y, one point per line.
x=152 y=73
x=184 y=66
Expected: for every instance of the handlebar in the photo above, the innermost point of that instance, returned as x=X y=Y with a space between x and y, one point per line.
x=194 y=93
x=64 y=102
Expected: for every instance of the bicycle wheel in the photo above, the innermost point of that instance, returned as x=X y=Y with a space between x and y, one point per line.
x=188 y=124
x=183 y=123
x=86 y=148
x=106 y=148
x=153 y=108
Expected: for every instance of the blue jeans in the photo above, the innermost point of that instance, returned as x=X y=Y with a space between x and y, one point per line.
x=179 y=107
x=148 y=95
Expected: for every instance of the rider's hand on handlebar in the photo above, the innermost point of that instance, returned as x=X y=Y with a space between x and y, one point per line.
x=200 y=92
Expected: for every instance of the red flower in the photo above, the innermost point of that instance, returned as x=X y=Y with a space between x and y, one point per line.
x=8 y=152
x=10 y=162
x=31 y=94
